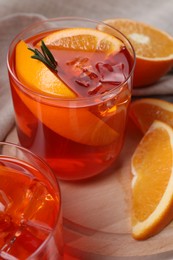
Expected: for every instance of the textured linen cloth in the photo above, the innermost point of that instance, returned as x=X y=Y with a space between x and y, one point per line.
x=9 y=27
x=16 y=15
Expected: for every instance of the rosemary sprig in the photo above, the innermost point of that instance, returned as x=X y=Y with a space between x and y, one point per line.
x=46 y=56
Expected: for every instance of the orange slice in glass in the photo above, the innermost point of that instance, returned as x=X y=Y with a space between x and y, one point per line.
x=84 y=39
x=77 y=124
x=36 y=76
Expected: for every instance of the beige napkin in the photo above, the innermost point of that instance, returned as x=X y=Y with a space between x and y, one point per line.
x=9 y=27
x=163 y=87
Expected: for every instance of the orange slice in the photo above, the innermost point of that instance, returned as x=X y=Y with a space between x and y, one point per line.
x=36 y=75
x=152 y=192
x=84 y=39
x=144 y=111
x=153 y=47
x=79 y=125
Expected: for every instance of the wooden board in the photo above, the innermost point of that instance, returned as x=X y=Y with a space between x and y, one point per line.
x=97 y=214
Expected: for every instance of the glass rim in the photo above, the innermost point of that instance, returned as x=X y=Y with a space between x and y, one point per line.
x=41 y=247
x=61 y=98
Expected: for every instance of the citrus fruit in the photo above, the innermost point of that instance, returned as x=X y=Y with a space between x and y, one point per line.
x=35 y=75
x=77 y=124
x=152 y=193
x=145 y=110
x=153 y=47
x=84 y=39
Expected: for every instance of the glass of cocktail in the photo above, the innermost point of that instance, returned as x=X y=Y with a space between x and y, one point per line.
x=71 y=86
x=30 y=207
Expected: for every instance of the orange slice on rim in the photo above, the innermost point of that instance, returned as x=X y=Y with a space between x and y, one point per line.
x=84 y=39
x=153 y=47
x=77 y=124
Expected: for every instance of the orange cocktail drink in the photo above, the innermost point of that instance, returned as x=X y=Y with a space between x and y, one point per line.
x=71 y=87
x=30 y=207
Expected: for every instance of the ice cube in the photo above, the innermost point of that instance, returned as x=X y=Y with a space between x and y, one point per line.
x=111 y=73
x=5 y=201
x=42 y=204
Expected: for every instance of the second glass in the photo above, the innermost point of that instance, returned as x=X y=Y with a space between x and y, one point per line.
x=79 y=135
x=30 y=207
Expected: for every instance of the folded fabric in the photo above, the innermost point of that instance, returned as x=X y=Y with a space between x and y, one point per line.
x=163 y=87
x=10 y=26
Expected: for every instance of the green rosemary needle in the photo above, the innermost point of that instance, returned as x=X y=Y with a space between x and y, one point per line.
x=46 y=56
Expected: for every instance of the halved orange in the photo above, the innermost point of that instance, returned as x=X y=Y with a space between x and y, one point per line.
x=152 y=192
x=80 y=124
x=153 y=47
x=145 y=110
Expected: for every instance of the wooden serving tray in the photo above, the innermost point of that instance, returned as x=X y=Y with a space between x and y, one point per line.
x=97 y=214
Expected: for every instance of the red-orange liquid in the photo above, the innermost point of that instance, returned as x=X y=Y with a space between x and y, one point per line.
x=28 y=211
x=88 y=75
